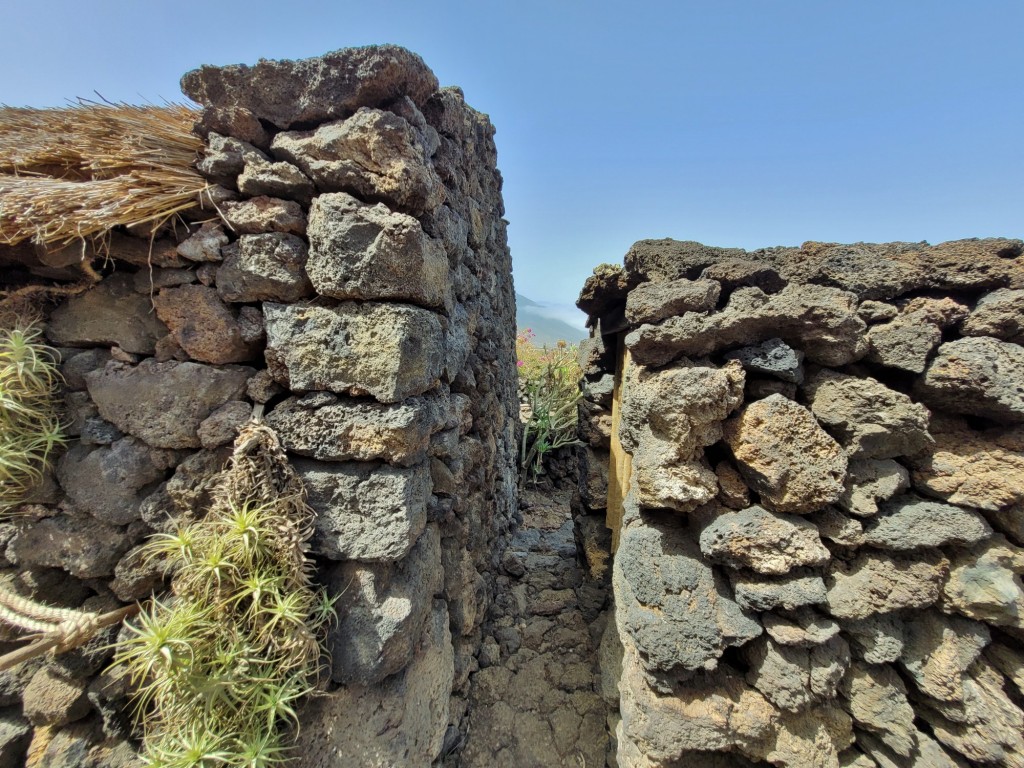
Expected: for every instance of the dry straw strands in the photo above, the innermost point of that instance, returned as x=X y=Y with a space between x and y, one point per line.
x=75 y=173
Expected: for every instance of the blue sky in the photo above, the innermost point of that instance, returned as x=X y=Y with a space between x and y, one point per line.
x=739 y=123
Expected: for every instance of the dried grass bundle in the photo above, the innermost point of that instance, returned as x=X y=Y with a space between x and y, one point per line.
x=75 y=173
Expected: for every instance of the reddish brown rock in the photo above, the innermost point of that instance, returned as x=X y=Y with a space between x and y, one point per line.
x=785 y=456
x=203 y=325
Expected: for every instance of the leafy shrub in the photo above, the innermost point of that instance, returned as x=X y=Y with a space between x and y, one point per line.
x=549 y=391
x=30 y=427
x=220 y=664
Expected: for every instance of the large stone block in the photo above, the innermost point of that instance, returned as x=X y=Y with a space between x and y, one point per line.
x=400 y=721
x=374 y=154
x=974 y=468
x=381 y=611
x=910 y=522
x=785 y=456
x=979 y=376
x=766 y=542
x=999 y=314
x=675 y=609
x=668 y=417
x=389 y=351
x=110 y=482
x=316 y=89
x=265 y=267
x=365 y=511
x=870 y=420
x=203 y=325
x=361 y=251
x=109 y=314
x=876 y=583
x=163 y=404
x=325 y=427
x=821 y=321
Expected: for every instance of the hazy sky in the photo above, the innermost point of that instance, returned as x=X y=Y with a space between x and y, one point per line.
x=748 y=123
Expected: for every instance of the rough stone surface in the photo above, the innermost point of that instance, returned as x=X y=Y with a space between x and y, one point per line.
x=381 y=611
x=399 y=721
x=668 y=417
x=264 y=214
x=999 y=314
x=55 y=700
x=785 y=456
x=766 y=542
x=805 y=628
x=82 y=546
x=203 y=325
x=593 y=486
x=265 y=267
x=986 y=727
x=838 y=528
x=365 y=511
x=869 y=481
x=792 y=677
x=773 y=357
x=110 y=483
x=360 y=251
x=870 y=420
x=675 y=609
x=939 y=650
x=713 y=712
x=205 y=244
x=223 y=425
x=732 y=491
x=821 y=321
x=312 y=90
x=280 y=179
x=877 y=701
x=907 y=342
x=737 y=273
x=15 y=734
x=985 y=583
x=757 y=593
x=328 y=428
x=223 y=159
x=651 y=302
x=878 y=639
x=374 y=154
x=163 y=404
x=107 y=315
x=389 y=351
x=975 y=468
x=977 y=376
x=910 y=522
x=876 y=583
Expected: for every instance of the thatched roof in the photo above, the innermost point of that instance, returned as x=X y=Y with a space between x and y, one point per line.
x=75 y=173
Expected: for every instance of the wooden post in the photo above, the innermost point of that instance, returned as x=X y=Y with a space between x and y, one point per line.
x=620 y=463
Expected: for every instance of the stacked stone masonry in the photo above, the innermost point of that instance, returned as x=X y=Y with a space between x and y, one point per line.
x=819 y=562
x=349 y=277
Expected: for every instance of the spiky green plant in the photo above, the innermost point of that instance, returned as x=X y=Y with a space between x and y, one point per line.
x=549 y=387
x=30 y=427
x=220 y=664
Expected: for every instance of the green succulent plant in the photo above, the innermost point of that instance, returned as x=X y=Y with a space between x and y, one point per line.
x=30 y=428
x=220 y=664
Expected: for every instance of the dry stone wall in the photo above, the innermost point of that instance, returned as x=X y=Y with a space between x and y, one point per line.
x=821 y=547
x=350 y=278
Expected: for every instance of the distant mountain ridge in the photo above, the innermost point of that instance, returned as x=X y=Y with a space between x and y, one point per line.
x=548 y=329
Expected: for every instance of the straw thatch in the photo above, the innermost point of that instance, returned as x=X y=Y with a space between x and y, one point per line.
x=75 y=173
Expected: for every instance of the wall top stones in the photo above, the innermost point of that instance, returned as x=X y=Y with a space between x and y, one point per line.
x=298 y=93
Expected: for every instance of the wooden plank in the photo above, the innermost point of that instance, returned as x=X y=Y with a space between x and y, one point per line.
x=620 y=463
